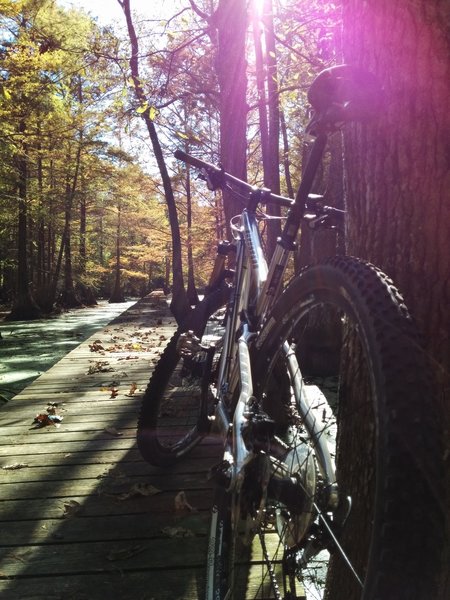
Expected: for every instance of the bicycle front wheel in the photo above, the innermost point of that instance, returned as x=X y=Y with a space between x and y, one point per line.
x=372 y=529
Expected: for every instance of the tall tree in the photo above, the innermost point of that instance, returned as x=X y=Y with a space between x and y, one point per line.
x=230 y=22
x=179 y=304
x=398 y=170
x=268 y=105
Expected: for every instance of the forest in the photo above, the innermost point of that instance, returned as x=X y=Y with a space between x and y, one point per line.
x=92 y=202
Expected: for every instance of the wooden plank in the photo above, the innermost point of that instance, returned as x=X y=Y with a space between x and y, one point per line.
x=210 y=451
x=95 y=557
x=110 y=470
x=100 y=506
x=115 y=583
x=108 y=528
x=101 y=485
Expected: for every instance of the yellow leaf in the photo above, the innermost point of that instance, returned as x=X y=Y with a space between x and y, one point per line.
x=141 y=109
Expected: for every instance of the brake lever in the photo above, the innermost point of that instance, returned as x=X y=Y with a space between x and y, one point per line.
x=323 y=216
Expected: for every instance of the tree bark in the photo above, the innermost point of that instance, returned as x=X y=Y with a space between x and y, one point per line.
x=398 y=169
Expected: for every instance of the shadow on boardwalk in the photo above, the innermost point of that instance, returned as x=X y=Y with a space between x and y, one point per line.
x=82 y=516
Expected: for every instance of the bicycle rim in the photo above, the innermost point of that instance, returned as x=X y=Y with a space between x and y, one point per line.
x=370 y=398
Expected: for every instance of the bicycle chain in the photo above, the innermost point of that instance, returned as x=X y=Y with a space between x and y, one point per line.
x=276 y=589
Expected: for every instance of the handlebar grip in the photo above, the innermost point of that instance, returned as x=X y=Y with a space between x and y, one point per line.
x=195 y=162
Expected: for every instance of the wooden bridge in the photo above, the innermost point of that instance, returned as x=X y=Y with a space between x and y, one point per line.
x=82 y=517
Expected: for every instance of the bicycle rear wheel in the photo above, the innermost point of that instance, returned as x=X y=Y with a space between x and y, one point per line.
x=375 y=531
x=172 y=418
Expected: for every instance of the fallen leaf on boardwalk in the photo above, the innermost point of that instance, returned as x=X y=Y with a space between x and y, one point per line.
x=15 y=466
x=140 y=489
x=101 y=366
x=114 y=392
x=71 y=508
x=133 y=388
x=44 y=419
x=181 y=502
x=125 y=553
x=96 y=346
x=53 y=408
x=129 y=358
x=177 y=532
x=113 y=431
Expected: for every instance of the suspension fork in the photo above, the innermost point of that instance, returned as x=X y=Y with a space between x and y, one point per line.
x=304 y=406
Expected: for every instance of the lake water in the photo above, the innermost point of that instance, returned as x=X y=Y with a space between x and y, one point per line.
x=28 y=348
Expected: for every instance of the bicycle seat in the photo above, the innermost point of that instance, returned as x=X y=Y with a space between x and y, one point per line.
x=341 y=94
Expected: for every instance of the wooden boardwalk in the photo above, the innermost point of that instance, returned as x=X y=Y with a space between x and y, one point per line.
x=82 y=517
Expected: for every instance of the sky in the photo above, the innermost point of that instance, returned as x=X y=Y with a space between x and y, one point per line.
x=108 y=11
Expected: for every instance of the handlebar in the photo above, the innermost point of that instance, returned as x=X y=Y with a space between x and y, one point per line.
x=218 y=178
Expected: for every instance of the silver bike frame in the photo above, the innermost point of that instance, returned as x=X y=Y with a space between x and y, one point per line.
x=251 y=289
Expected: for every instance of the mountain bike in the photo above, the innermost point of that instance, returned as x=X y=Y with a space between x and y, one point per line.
x=330 y=480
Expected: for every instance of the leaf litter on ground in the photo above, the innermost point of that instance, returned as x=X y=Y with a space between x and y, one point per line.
x=71 y=508
x=50 y=417
x=140 y=489
x=181 y=503
x=15 y=466
x=177 y=532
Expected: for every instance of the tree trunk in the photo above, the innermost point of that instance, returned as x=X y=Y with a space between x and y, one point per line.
x=191 y=289
x=179 y=304
x=117 y=293
x=398 y=170
x=24 y=306
x=69 y=298
x=272 y=177
x=83 y=213
x=40 y=267
x=286 y=159
x=230 y=20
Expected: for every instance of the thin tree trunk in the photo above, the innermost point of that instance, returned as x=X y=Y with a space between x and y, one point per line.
x=260 y=86
x=179 y=304
x=191 y=289
x=69 y=297
x=286 y=160
x=117 y=293
x=272 y=177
